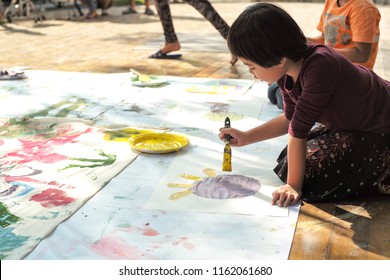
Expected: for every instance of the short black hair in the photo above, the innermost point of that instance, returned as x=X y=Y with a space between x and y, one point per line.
x=265 y=33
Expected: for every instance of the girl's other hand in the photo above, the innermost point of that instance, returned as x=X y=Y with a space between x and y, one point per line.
x=286 y=195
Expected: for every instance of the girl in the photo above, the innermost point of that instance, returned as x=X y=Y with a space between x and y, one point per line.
x=336 y=114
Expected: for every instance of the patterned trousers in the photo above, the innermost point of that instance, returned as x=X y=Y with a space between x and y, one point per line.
x=203 y=6
x=341 y=164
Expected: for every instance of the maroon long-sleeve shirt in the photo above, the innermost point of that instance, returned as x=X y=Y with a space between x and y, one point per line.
x=337 y=93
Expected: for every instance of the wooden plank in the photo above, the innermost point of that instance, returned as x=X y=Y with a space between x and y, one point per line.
x=379 y=228
x=313 y=232
x=349 y=236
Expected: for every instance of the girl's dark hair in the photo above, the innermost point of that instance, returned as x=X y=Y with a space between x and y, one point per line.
x=264 y=33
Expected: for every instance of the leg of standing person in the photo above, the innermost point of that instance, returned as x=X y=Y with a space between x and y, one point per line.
x=207 y=10
x=92 y=7
x=171 y=42
x=148 y=10
x=131 y=9
x=1 y=12
x=104 y=5
x=204 y=7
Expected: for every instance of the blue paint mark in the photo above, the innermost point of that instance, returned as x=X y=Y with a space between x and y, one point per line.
x=10 y=241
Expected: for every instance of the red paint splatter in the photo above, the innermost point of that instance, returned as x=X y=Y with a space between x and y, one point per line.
x=42 y=150
x=115 y=248
x=52 y=198
x=150 y=232
x=183 y=241
x=10 y=179
x=146 y=230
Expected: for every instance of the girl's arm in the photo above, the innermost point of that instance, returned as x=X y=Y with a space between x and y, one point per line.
x=316 y=40
x=296 y=158
x=276 y=127
x=290 y=193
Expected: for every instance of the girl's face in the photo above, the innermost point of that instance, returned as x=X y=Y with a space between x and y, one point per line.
x=268 y=75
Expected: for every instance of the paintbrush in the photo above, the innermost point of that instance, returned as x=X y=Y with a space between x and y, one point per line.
x=227 y=151
x=141 y=77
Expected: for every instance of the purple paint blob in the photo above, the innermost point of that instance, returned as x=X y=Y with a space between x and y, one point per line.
x=226 y=186
x=219 y=108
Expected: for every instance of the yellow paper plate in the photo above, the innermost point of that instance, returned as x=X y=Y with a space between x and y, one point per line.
x=158 y=143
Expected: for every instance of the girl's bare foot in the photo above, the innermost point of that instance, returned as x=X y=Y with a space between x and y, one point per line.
x=170 y=47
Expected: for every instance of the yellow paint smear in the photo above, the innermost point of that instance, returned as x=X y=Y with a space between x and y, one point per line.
x=190 y=177
x=178 y=185
x=209 y=172
x=178 y=195
x=216 y=117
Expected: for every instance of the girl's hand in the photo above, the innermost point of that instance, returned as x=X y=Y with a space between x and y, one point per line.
x=237 y=137
x=286 y=195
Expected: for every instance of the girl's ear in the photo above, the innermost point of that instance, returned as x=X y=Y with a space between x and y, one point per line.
x=282 y=61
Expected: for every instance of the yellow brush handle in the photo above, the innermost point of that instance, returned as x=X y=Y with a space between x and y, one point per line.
x=227 y=152
x=227 y=158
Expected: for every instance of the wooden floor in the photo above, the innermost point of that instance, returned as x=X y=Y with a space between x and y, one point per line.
x=357 y=229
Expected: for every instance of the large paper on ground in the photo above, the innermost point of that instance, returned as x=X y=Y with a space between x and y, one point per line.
x=59 y=157
x=49 y=168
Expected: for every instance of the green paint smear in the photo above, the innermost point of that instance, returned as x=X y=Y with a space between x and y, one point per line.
x=121 y=197
x=6 y=218
x=54 y=215
x=124 y=226
x=220 y=117
x=62 y=109
x=107 y=160
x=19 y=127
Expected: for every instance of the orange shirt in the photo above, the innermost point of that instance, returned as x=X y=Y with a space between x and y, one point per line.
x=356 y=21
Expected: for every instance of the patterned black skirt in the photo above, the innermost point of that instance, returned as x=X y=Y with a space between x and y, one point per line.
x=341 y=164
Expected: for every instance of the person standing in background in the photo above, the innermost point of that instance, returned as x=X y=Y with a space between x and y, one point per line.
x=171 y=41
x=352 y=28
x=349 y=26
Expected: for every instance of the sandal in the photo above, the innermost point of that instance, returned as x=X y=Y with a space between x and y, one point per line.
x=161 y=55
x=91 y=15
x=129 y=11
x=149 y=12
